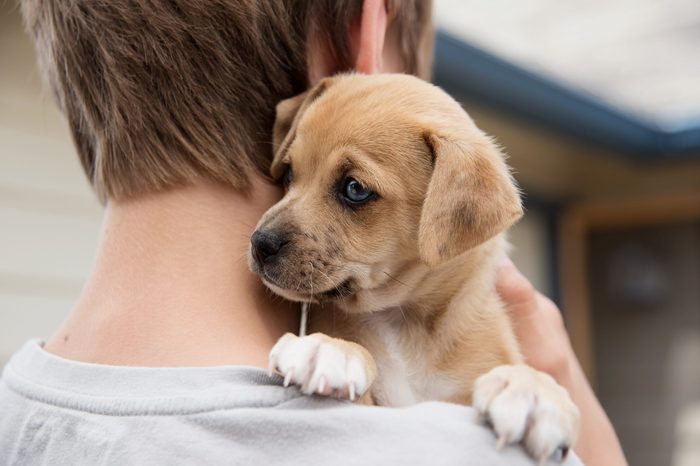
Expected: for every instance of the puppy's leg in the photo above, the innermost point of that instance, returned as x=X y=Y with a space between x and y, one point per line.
x=528 y=406
x=324 y=365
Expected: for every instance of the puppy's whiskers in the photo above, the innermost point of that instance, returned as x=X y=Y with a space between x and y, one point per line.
x=403 y=314
x=242 y=257
x=396 y=279
x=311 y=279
x=329 y=279
x=247 y=225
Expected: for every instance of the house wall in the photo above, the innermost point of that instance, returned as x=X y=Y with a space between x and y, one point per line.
x=553 y=166
x=49 y=219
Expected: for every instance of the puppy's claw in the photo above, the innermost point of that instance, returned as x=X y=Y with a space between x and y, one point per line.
x=288 y=377
x=564 y=452
x=542 y=461
x=529 y=407
x=321 y=384
x=502 y=441
x=351 y=391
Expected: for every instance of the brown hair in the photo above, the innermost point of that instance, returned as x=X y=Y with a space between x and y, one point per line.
x=162 y=92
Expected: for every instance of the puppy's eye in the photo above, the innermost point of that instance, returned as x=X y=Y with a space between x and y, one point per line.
x=287 y=176
x=355 y=193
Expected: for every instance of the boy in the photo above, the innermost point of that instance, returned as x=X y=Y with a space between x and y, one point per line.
x=170 y=104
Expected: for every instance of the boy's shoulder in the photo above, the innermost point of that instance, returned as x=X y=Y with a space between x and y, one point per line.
x=56 y=410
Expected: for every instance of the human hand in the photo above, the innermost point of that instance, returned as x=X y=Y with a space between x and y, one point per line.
x=545 y=344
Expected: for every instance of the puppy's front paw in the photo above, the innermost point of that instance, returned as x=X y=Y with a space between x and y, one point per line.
x=323 y=365
x=528 y=406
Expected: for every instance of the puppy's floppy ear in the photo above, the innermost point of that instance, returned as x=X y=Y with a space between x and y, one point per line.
x=289 y=112
x=471 y=196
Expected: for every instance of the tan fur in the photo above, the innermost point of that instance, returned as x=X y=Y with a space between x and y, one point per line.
x=421 y=258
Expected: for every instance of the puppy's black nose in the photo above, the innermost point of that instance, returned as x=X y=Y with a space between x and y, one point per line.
x=266 y=245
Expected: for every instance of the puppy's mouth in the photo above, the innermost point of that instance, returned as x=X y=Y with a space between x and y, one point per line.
x=344 y=290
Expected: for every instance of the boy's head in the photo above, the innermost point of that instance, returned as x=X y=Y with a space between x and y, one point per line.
x=161 y=93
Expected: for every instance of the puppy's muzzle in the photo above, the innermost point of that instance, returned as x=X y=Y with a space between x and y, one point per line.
x=266 y=246
x=288 y=262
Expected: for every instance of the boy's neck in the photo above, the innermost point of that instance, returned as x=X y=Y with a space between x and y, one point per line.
x=171 y=285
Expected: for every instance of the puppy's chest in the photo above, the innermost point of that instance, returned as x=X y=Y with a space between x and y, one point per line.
x=405 y=373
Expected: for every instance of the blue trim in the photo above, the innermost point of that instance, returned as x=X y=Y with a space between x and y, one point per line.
x=470 y=73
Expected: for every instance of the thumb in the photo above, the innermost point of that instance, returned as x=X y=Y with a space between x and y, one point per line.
x=516 y=291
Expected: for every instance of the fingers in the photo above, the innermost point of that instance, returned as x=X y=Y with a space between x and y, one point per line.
x=537 y=322
x=524 y=303
x=516 y=291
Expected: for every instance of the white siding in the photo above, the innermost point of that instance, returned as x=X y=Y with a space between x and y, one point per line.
x=531 y=251
x=49 y=218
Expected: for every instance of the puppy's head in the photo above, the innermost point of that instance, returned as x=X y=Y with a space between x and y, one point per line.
x=381 y=173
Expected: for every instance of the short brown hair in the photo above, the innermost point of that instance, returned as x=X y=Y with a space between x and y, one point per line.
x=160 y=93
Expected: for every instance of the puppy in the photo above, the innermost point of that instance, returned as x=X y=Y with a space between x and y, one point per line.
x=393 y=226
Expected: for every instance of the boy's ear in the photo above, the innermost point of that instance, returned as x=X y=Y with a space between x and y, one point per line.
x=471 y=195
x=288 y=114
x=372 y=31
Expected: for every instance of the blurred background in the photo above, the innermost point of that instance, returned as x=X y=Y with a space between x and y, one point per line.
x=598 y=105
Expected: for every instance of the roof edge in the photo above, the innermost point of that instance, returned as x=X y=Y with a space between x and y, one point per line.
x=471 y=73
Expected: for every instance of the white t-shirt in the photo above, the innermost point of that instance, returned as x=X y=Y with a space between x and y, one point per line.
x=59 y=412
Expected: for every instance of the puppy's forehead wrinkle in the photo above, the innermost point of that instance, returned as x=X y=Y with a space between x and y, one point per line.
x=385 y=174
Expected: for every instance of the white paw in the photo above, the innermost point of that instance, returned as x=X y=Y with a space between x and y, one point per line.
x=319 y=364
x=527 y=406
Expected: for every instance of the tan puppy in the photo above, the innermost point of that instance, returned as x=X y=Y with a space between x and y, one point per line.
x=393 y=223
